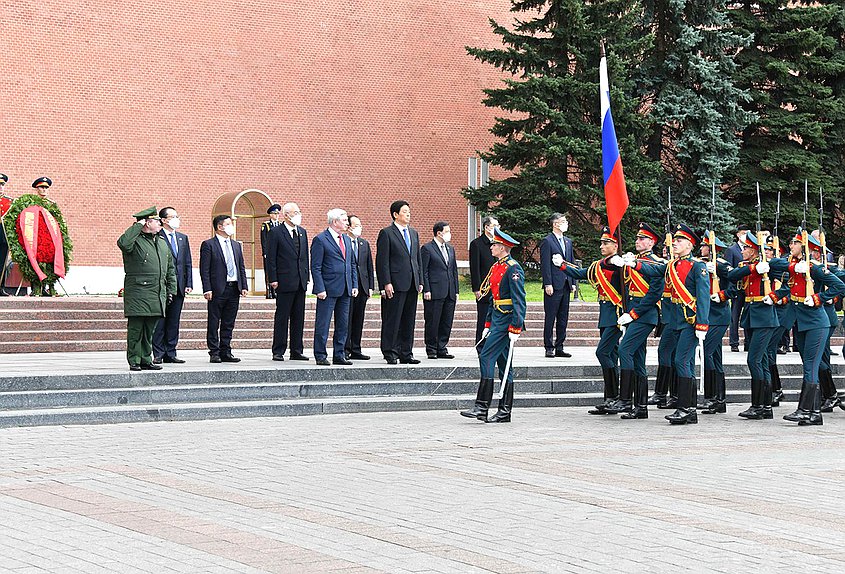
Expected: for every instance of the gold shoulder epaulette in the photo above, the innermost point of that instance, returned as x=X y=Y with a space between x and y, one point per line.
x=511 y=261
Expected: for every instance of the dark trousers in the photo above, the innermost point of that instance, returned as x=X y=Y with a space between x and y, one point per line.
x=481 y=308
x=666 y=347
x=290 y=312
x=439 y=314
x=736 y=310
x=339 y=307
x=758 y=357
x=556 y=310
x=398 y=318
x=222 y=310
x=139 y=339
x=632 y=348
x=166 y=335
x=607 y=351
x=812 y=344
x=357 y=313
x=713 y=348
x=685 y=351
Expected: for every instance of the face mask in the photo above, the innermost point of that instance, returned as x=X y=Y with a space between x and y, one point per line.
x=296 y=219
x=174 y=223
x=563 y=226
x=447 y=237
x=229 y=230
x=356 y=231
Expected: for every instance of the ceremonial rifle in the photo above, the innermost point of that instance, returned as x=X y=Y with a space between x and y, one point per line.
x=668 y=241
x=714 y=283
x=822 y=238
x=776 y=240
x=767 y=285
x=806 y=243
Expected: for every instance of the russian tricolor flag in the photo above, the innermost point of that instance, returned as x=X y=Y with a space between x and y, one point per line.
x=615 y=193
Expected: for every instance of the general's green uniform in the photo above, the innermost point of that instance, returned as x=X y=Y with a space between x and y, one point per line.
x=150 y=278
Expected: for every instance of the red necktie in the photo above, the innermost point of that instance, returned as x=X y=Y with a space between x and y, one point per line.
x=342 y=246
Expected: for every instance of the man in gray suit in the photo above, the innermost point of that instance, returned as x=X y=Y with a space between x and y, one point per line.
x=440 y=291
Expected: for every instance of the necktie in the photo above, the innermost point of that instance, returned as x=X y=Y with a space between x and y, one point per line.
x=230 y=260
x=562 y=247
x=173 y=244
x=445 y=253
x=407 y=239
x=342 y=246
x=355 y=249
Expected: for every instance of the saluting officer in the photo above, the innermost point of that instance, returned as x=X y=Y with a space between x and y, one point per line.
x=505 y=319
x=274 y=212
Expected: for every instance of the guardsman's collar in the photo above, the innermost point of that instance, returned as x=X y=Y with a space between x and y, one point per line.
x=504 y=258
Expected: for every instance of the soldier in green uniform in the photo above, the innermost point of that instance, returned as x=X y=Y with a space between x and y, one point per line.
x=149 y=285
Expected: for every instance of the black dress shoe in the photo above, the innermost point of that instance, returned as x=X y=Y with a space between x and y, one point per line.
x=782 y=350
x=734 y=348
x=157 y=361
x=562 y=353
x=428 y=356
x=215 y=359
x=550 y=354
x=298 y=357
x=134 y=367
x=150 y=367
x=323 y=362
x=391 y=361
x=445 y=356
x=410 y=361
x=358 y=357
x=341 y=361
x=278 y=357
x=229 y=359
x=174 y=360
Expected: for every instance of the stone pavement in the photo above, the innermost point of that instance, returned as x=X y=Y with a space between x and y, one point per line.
x=555 y=491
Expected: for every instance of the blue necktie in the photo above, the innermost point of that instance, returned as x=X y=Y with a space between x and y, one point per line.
x=407 y=239
x=173 y=244
x=230 y=260
x=562 y=247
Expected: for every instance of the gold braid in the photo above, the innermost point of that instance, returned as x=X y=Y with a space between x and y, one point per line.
x=485 y=285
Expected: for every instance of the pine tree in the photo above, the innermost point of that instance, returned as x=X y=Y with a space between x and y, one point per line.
x=549 y=135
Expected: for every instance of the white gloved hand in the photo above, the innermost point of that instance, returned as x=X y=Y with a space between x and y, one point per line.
x=513 y=336
x=617 y=261
x=768 y=300
x=802 y=267
x=700 y=335
x=829 y=302
x=630 y=259
x=624 y=319
x=762 y=267
x=809 y=301
x=557 y=259
x=485 y=332
x=715 y=298
x=711 y=267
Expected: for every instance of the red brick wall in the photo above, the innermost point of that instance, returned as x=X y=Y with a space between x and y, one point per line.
x=351 y=104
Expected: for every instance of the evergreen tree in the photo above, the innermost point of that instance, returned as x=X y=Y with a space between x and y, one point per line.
x=549 y=134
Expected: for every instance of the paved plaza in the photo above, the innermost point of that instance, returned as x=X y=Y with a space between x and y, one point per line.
x=555 y=491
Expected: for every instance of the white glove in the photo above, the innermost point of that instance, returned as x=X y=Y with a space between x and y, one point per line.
x=513 y=336
x=802 y=267
x=557 y=259
x=768 y=300
x=762 y=267
x=700 y=335
x=809 y=301
x=829 y=302
x=485 y=332
x=715 y=298
x=711 y=267
x=617 y=261
x=624 y=319
x=630 y=259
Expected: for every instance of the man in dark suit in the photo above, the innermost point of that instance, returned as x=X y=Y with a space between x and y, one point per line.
x=480 y=262
x=274 y=211
x=335 y=282
x=398 y=266
x=557 y=285
x=733 y=255
x=223 y=275
x=287 y=272
x=440 y=291
x=166 y=335
x=362 y=256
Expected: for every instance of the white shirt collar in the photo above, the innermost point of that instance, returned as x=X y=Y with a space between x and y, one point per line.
x=400 y=227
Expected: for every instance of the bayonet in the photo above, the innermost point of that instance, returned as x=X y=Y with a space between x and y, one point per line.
x=714 y=280
x=761 y=245
x=805 y=241
x=822 y=238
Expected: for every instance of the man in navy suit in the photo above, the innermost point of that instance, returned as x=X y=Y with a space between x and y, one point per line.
x=335 y=277
x=557 y=285
x=362 y=256
x=287 y=273
x=398 y=266
x=166 y=335
x=440 y=291
x=733 y=255
x=223 y=275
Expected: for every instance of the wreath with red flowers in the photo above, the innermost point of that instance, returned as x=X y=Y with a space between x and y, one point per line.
x=46 y=249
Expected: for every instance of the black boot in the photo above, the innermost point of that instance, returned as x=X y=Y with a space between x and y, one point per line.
x=828 y=391
x=640 y=410
x=686 y=413
x=755 y=411
x=503 y=414
x=626 y=390
x=777 y=390
x=661 y=385
x=766 y=395
x=798 y=413
x=672 y=399
x=718 y=405
x=814 y=416
x=611 y=392
x=709 y=391
x=482 y=401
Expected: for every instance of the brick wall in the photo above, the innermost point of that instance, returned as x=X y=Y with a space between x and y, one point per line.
x=344 y=103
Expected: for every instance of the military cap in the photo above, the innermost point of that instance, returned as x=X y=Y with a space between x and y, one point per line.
x=42 y=182
x=275 y=208
x=705 y=240
x=4 y=178
x=770 y=244
x=646 y=230
x=750 y=240
x=500 y=236
x=685 y=232
x=149 y=213
x=606 y=235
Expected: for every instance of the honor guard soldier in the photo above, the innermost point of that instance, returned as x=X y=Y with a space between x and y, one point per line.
x=687 y=280
x=274 y=212
x=721 y=293
x=806 y=308
x=5 y=205
x=607 y=280
x=759 y=321
x=42 y=185
x=781 y=288
x=641 y=319
x=505 y=319
x=666 y=382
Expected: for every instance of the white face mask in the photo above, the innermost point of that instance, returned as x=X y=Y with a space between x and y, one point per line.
x=563 y=226
x=447 y=237
x=356 y=231
x=296 y=219
x=174 y=223
x=229 y=230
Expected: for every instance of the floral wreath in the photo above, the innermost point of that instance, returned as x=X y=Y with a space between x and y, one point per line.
x=46 y=248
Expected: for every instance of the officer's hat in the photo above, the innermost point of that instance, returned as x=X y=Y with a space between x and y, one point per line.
x=814 y=243
x=149 y=213
x=500 y=236
x=42 y=182
x=606 y=235
x=646 y=230
x=4 y=178
x=685 y=232
x=705 y=240
x=275 y=208
x=750 y=240
x=770 y=244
